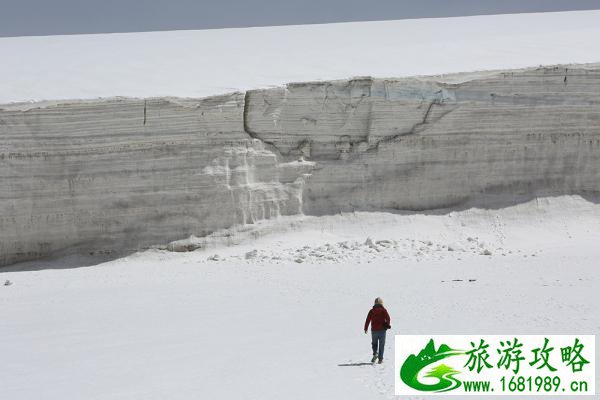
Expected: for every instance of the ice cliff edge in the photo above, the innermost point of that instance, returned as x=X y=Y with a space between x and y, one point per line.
x=121 y=174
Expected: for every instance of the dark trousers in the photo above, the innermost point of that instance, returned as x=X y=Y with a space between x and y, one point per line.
x=378 y=342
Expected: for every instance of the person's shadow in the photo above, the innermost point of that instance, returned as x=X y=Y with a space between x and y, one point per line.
x=355 y=364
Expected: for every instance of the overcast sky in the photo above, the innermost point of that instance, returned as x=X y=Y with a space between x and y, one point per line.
x=51 y=17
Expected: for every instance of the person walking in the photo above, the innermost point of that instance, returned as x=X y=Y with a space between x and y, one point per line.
x=380 y=321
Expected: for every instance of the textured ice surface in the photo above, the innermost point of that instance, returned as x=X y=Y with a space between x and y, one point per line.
x=113 y=176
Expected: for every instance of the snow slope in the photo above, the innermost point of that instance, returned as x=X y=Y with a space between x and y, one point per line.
x=159 y=325
x=202 y=63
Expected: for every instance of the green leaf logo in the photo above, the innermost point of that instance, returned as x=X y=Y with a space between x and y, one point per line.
x=409 y=371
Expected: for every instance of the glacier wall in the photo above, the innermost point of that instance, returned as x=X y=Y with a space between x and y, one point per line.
x=114 y=176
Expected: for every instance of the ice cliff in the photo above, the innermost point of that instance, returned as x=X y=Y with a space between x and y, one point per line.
x=116 y=175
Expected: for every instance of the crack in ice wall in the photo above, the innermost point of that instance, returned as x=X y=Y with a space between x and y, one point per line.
x=113 y=176
x=437 y=142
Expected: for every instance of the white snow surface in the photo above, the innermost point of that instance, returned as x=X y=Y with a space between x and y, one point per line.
x=207 y=62
x=221 y=324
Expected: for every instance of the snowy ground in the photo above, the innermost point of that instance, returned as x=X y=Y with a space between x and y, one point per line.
x=256 y=323
x=208 y=62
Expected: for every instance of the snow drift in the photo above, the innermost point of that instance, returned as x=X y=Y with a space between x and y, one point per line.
x=113 y=176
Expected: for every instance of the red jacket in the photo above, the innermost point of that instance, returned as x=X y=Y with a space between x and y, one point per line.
x=378 y=317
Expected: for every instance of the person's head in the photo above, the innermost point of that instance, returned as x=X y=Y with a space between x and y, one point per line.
x=379 y=301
